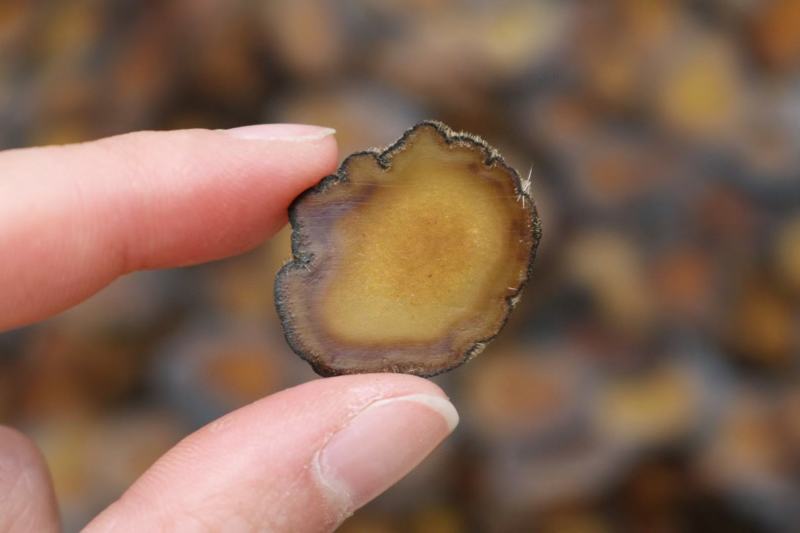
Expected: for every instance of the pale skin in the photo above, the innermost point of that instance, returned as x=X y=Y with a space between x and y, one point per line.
x=74 y=218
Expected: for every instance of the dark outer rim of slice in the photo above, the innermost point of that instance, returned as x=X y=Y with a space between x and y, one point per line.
x=300 y=259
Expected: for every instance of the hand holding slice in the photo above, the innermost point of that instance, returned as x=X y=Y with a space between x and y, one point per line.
x=408 y=259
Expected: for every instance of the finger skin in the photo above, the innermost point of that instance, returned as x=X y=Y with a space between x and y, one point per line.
x=254 y=469
x=73 y=218
x=27 y=501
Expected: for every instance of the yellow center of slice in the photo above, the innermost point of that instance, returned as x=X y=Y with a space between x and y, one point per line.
x=429 y=248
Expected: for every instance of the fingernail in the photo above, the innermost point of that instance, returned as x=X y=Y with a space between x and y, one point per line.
x=380 y=446
x=280 y=132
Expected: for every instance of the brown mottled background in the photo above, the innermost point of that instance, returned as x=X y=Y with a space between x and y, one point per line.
x=651 y=380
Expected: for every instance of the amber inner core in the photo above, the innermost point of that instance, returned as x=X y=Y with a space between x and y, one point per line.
x=432 y=246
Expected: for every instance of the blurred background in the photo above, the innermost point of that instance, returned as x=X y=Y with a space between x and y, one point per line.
x=650 y=381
